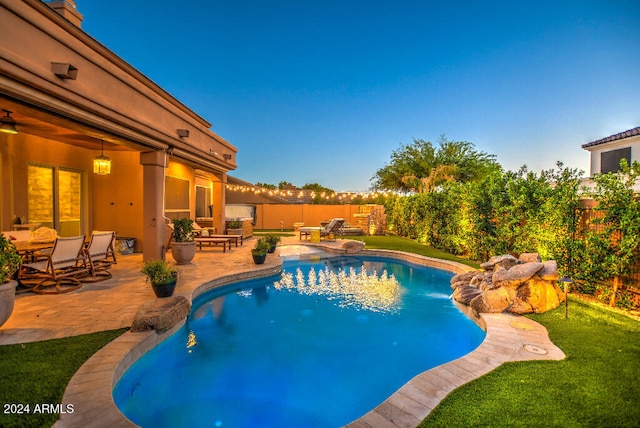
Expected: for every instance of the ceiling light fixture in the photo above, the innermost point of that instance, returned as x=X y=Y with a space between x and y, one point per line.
x=102 y=164
x=7 y=124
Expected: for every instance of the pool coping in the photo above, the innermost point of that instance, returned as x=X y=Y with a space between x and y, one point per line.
x=508 y=338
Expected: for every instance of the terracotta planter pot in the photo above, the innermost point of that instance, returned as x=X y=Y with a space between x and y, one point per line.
x=165 y=289
x=7 y=298
x=183 y=252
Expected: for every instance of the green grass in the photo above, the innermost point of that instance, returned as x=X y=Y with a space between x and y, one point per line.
x=399 y=243
x=38 y=372
x=597 y=385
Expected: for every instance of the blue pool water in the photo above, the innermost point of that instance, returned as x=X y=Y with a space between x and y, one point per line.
x=253 y=355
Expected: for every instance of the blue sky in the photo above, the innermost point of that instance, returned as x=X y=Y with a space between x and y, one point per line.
x=324 y=91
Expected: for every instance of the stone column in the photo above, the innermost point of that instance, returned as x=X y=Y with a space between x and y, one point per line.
x=153 y=225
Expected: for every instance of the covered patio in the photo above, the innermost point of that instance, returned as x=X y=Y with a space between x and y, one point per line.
x=89 y=143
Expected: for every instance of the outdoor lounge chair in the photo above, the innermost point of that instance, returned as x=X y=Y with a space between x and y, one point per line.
x=100 y=256
x=60 y=268
x=332 y=229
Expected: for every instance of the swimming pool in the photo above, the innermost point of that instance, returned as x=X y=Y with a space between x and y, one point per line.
x=278 y=352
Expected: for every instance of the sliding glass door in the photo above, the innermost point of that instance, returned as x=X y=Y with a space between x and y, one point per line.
x=55 y=198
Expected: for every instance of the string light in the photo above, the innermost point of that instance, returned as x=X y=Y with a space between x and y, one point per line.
x=301 y=194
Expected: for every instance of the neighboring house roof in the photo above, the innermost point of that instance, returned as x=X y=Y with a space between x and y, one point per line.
x=619 y=136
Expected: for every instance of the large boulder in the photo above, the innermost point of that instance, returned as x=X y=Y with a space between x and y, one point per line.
x=465 y=294
x=491 y=301
x=161 y=314
x=480 y=277
x=541 y=295
x=530 y=257
x=520 y=307
x=549 y=271
x=352 y=247
x=516 y=275
x=505 y=260
x=463 y=277
x=486 y=284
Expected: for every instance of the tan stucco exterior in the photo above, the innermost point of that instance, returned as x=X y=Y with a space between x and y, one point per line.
x=62 y=121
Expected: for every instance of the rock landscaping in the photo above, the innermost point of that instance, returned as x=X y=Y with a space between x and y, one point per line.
x=518 y=285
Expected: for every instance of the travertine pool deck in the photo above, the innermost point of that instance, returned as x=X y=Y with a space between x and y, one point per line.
x=112 y=304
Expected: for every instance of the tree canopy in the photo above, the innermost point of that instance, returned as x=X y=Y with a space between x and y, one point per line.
x=422 y=166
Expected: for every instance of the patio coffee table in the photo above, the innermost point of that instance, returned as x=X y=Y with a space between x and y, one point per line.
x=226 y=242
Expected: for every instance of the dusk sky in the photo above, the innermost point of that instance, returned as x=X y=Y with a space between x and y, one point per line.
x=324 y=91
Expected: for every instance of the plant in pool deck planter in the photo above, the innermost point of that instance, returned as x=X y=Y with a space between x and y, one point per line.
x=9 y=264
x=259 y=252
x=273 y=241
x=183 y=230
x=183 y=249
x=162 y=277
x=234 y=227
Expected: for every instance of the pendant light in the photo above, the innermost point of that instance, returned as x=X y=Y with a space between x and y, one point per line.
x=7 y=124
x=102 y=164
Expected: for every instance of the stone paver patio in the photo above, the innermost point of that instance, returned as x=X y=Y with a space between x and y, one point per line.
x=112 y=304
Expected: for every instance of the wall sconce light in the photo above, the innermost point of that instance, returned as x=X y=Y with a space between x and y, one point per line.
x=102 y=164
x=227 y=156
x=7 y=124
x=182 y=133
x=64 y=70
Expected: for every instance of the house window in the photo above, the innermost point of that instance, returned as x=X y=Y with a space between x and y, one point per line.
x=176 y=198
x=203 y=202
x=610 y=161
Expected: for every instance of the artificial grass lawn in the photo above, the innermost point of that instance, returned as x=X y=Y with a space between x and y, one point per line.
x=37 y=373
x=390 y=242
x=597 y=385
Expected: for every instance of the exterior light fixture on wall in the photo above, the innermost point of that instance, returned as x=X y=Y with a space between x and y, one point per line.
x=64 y=70
x=212 y=153
x=7 y=124
x=226 y=156
x=102 y=164
x=182 y=133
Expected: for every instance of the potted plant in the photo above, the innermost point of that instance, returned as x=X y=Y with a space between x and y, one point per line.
x=234 y=227
x=162 y=277
x=273 y=241
x=259 y=252
x=183 y=247
x=9 y=264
